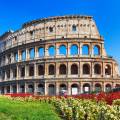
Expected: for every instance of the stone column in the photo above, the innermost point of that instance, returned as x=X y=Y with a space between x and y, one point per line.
x=18 y=75
x=11 y=89
x=80 y=49
x=46 y=89
x=57 y=88
x=35 y=70
x=12 y=58
x=19 y=56
x=68 y=49
x=46 y=51
x=17 y=88
x=69 y=88
x=11 y=74
x=35 y=88
x=57 y=50
x=26 y=87
x=91 y=50
x=27 y=54
x=36 y=52
x=81 y=87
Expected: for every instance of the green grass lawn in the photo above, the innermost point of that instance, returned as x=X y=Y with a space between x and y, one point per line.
x=17 y=110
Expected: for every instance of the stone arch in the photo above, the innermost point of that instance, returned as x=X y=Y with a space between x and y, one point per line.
x=41 y=70
x=85 y=49
x=41 y=51
x=31 y=88
x=32 y=53
x=51 y=69
x=97 y=69
x=86 y=69
x=98 y=87
x=74 y=49
x=74 y=89
x=86 y=88
x=31 y=70
x=22 y=89
x=51 y=89
x=51 y=50
x=74 y=28
x=14 y=88
x=63 y=88
x=41 y=89
x=108 y=87
x=23 y=55
x=8 y=89
x=107 y=69
x=74 y=69
x=117 y=86
x=22 y=71
x=62 y=69
x=62 y=49
x=96 y=50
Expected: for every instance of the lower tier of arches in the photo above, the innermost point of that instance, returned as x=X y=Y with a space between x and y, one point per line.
x=56 y=88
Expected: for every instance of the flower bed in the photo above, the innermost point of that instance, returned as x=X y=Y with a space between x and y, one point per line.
x=107 y=97
x=78 y=109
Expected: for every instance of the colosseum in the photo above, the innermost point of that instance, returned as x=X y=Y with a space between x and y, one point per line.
x=54 y=55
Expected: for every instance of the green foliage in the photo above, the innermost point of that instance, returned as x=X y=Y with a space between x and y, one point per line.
x=22 y=110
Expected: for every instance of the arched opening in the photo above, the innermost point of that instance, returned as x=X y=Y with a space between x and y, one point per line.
x=14 y=72
x=41 y=51
x=74 y=50
x=96 y=50
x=8 y=89
x=74 y=89
x=97 y=69
x=63 y=89
x=23 y=55
x=108 y=88
x=85 y=50
x=31 y=70
x=98 y=87
x=62 y=50
x=50 y=29
x=41 y=70
x=74 y=28
x=86 y=69
x=51 y=51
x=22 y=89
x=51 y=70
x=62 y=69
x=107 y=70
x=117 y=86
x=30 y=89
x=51 y=90
x=74 y=69
x=31 y=53
x=41 y=89
x=22 y=71
x=14 y=88
x=86 y=88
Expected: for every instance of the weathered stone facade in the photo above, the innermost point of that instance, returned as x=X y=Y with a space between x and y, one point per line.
x=69 y=70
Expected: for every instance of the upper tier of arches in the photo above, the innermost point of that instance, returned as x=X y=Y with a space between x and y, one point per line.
x=62 y=50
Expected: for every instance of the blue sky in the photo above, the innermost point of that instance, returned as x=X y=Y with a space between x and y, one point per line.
x=13 y=13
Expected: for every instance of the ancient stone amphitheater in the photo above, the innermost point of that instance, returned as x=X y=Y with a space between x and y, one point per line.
x=56 y=55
